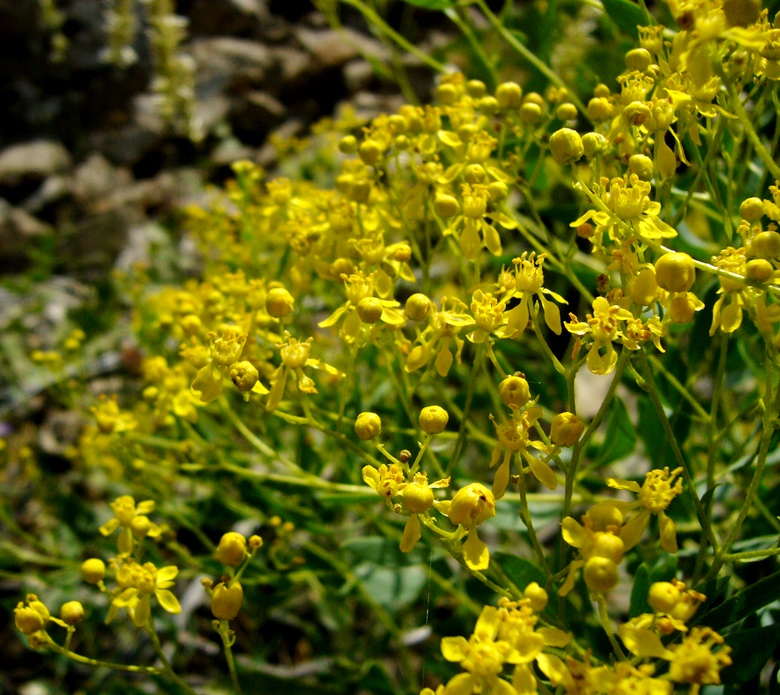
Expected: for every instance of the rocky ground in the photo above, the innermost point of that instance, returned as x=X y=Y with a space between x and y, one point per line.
x=85 y=159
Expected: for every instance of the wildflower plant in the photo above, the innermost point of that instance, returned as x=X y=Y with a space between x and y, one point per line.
x=380 y=359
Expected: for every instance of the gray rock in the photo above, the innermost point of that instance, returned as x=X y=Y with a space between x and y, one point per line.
x=210 y=17
x=37 y=160
x=17 y=229
x=258 y=112
x=358 y=75
x=290 y=63
x=96 y=178
x=228 y=64
x=53 y=190
x=333 y=47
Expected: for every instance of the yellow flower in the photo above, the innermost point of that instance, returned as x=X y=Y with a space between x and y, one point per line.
x=418 y=499
x=603 y=326
x=471 y=506
x=110 y=419
x=655 y=495
x=133 y=520
x=528 y=281
x=136 y=584
x=443 y=327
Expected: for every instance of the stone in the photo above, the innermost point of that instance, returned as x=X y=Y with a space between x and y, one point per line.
x=228 y=64
x=333 y=47
x=37 y=160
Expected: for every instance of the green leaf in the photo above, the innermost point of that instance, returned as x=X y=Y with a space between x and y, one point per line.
x=745 y=603
x=620 y=438
x=392 y=588
x=520 y=571
x=626 y=15
x=433 y=5
x=750 y=650
x=639 y=604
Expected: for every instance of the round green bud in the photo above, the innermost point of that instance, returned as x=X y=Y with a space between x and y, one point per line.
x=72 y=613
x=348 y=144
x=514 y=391
x=593 y=143
x=663 y=597
x=509 y=95
x=279 y=303
x=566 y=112
x=531 y=113
x=474 y=173
x=643 y=287
x=226 y=601
x=244 y=375
x=600 y=575
x=369 y=309
x=566 y=429
x=636 y=113
x=599 y=110
x=642 y=166
x=93 y=570
x=447 y=93
x=765 y=245
x=497 y=191
x=760 y=270
x=566 y=146
x=476 y=89
x=682 y=309
x=638 y=59
x=537 y=596
x=231 y=550
x=417 y=307
x=445 y=205
x=752 y=209
x=608 y=545
x=418 y=497
x=675 y=272
x=471 y=505
x=488 y=106
x=601 y=91
x=368 y=426
x=534 y=98
x=140 y=526
x=433 y=419
x=370 y=152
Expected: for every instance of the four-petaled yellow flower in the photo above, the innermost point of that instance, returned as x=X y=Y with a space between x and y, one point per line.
x=133 y=520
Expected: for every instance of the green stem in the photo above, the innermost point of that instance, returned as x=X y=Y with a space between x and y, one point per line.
x=750 y=132
x=97 y=663
x=606 y=623
x=167 y=668
x=224 y=633
x=525 y=514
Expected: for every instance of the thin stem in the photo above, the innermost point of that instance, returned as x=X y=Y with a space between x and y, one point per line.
x=525 y=515
x=97 y=663
x=606 y=623
x=167 y=668
x=750 y=132
x=224 y=633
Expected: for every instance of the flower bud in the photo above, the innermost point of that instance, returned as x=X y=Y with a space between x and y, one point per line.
x=368 y=426
x=566 y=112
x=370 y=152
x=417 y=307
x=643 y=287
x=72 y=613
x=433 y=419
x=593 y=144
x=231 y=550
x=514 y=391
x=474 y=173
x=537 y=595
x=599 y=110
x=140 y=526
x=605 y=516
x=476 y=89
x=471 y=505
x=530 y=113
x=226 y=601
x=586 y=230
x=642 y=166
x=191 y=324
x=279 y=303
x=369 y=309
x=509 y=95
x=497 y=191
x=244 y=375
x=445 y=205
x=759 y=269
x=663 y=597
x=418 y=497
x=348 y=144
x=566 y=429
x=752 y=209
x=600 y=575
x=566 y=146
x=636 y=113
x=608 y=545
x=765 y=245
x=675 y=272
x=488 y=106
x=28 y=620
x=682 y=309
x=447 y=93
x=255 y=542
x=93 y=570
x=638 y=59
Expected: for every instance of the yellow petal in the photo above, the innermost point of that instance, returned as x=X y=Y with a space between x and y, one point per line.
x=633 y=530
x=573 y=533
x=109 y=527
x=125 y=541
x=554 y=668
x=462 y=684
x=553 y=637
x=501 y=480
x=371 y=477
x=411 y=534
x=475 y=552
x=167 y=573
x=146 y=507
x=140 y=612
x=524 y=680
x=668 y=533
x=208 y=383
x=278 y=381
x=542 y=472
x=454 y=648
x=168 y=601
